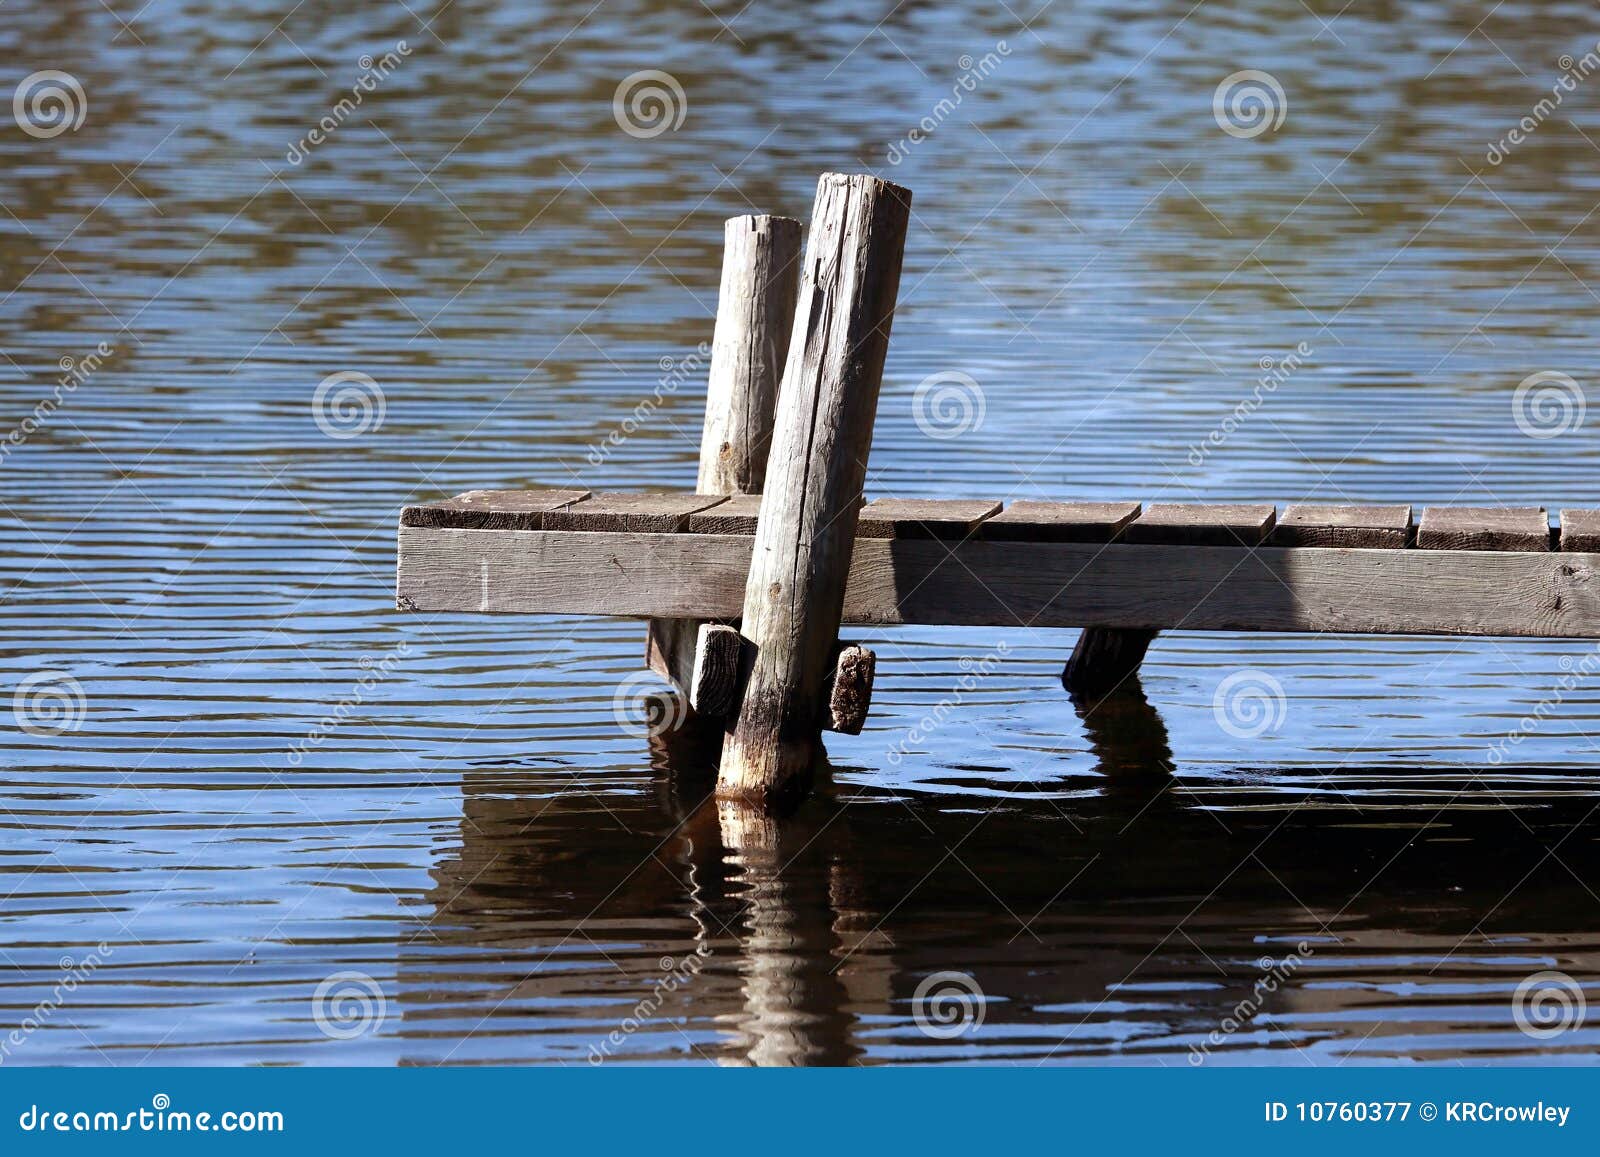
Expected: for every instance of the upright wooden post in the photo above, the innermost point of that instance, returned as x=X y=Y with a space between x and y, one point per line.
x=794 y=595
x=755 y=312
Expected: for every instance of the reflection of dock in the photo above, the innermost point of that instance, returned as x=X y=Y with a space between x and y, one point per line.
x=1096 y=928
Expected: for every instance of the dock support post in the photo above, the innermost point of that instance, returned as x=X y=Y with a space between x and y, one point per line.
x=755 y=312
x=1104 y=659
x=794 y=595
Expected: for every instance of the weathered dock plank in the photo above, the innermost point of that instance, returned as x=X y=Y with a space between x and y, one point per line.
x=1033 y=521
x=641 y=513
x=1313 y=524
x=735 y=516
x=1580 y=530
x=1040 y=584
x=491 y=509
x=1201 y=524
x=947 y=518
x=1520 y=528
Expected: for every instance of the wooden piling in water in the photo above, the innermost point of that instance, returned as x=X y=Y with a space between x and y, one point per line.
x=1104 y=659
x=1108 y=658
x=827 y=403
x=755 y=312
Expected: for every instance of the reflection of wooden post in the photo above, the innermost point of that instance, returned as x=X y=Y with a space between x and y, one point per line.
x=794 y=596
x=794 y=1006
x=1126 y=735
x=755 y=312
x=775 y=973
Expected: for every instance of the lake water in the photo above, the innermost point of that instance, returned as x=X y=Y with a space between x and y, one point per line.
x=480 y=862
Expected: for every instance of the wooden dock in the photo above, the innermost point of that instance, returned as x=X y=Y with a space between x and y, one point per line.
x=745 y=592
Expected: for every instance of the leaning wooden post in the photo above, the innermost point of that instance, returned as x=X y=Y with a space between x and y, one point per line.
x=755 y=312
x=794 y=595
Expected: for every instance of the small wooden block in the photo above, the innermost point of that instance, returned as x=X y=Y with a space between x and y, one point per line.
x=735 y=516
x=714 y=691
x=1580 y=530
x=1175 y=524
x=637 y=513
x=1484 y=528
x=1030 y=521
x=1310 y=524
x=491 y=509
x=850 y=689
x=949 y=518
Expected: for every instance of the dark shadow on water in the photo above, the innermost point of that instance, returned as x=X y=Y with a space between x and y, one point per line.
x=1108 y=926
x=1127 y=735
